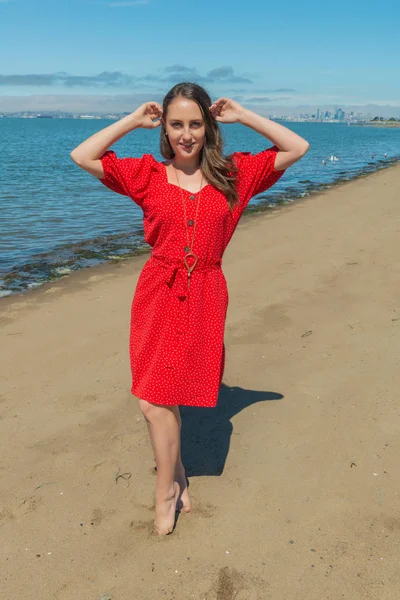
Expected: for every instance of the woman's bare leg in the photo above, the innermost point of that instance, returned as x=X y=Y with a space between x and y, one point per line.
x=180 y=475
x=164 y=430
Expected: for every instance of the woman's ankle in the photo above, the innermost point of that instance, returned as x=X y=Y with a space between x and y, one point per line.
x=179 y=469
x=165 y=493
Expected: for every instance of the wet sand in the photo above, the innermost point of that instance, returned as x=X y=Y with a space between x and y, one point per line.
x=293 y=477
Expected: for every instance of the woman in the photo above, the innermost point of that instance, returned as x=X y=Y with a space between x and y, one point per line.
x=191 y=203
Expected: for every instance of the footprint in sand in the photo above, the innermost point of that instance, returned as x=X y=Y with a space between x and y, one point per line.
x=234 y=585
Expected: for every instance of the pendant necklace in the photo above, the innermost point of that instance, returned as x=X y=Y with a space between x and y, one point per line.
x=189 y=248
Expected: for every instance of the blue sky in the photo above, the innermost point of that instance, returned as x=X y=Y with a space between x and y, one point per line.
x=260 y=53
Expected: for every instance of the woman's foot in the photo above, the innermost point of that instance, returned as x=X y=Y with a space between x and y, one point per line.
x=166 y=508
x=184 y=503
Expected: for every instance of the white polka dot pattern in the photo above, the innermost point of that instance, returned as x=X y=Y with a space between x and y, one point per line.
x=177 y=350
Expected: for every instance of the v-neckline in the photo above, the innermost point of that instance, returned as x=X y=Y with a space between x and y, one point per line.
x=181 y=188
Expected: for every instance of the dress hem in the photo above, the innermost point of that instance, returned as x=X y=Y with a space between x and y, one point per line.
x=175 y=404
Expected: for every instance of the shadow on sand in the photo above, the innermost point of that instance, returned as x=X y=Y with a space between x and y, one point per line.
x=206 y=432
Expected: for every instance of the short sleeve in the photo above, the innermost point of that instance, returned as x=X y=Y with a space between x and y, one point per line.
x=127 y=176
x=256 y=172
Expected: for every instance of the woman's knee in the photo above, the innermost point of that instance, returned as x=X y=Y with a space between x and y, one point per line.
x=151 y=412
x=146 y=409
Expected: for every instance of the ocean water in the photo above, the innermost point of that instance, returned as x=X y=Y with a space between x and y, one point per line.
x=56 y=218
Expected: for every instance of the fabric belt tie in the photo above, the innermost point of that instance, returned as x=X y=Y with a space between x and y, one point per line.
x=177 y=280
x=176 y=267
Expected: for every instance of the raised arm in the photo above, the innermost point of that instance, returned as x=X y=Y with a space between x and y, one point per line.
x=87 y=155
x=291 y=146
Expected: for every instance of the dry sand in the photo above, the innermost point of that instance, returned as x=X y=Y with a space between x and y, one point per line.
x=294 y=477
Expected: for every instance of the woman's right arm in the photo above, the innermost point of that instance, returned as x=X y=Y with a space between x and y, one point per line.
x=87 y=155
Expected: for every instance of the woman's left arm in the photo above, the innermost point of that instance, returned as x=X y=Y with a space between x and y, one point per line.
x=291 y=146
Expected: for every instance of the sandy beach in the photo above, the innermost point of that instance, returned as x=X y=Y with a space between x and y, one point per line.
x=293 y=477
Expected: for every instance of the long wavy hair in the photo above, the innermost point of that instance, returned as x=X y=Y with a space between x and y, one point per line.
x=218 y=170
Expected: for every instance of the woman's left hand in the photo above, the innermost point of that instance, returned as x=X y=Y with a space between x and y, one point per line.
x=226 y=110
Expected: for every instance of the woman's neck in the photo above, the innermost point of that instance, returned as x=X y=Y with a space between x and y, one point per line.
x=189 y=167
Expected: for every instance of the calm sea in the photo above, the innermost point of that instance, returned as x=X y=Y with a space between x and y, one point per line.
x=55 y=218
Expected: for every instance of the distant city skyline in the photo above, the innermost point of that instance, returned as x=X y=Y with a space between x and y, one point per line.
x=104 y=105
x=88 y=55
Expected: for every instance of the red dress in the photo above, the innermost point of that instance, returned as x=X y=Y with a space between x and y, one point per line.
x=177 y=350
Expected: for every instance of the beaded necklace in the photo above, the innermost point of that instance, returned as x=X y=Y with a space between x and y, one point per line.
x=189 y=248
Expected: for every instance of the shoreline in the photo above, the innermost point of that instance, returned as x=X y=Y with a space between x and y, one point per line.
x=61 y=271
x=296 y=470
x=384 y=124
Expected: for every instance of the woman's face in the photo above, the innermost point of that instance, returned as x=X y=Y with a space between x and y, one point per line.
x=185 y=127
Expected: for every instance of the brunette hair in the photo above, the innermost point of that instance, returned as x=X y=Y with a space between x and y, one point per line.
x=218 y=170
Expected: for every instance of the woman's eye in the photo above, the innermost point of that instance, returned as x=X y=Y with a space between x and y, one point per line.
x=197 y=124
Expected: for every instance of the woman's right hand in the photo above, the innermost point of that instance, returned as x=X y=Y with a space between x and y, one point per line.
x=88 y=154
x=146 y=113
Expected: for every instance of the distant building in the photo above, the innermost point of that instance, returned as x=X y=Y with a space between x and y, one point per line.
x=339 y=114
